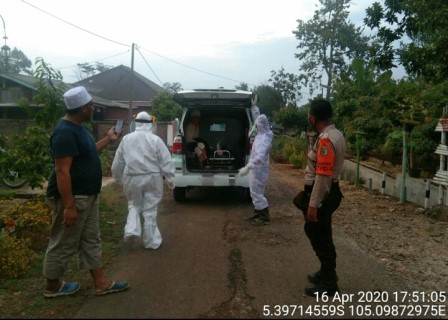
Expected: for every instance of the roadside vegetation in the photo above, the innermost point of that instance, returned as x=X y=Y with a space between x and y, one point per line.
x=23 y=249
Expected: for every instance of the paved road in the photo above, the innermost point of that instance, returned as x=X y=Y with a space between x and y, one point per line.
x=212 y=264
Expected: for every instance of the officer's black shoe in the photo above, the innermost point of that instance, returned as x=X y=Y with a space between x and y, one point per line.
x=329 y=289
x=315 y=277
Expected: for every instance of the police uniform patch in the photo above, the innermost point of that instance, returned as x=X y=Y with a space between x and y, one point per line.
x=323 y=151
x=325 y=158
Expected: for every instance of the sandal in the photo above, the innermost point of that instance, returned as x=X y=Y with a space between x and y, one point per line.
x=67 y=288
x=114 y=287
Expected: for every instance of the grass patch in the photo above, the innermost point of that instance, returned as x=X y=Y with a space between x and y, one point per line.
x=23 y=297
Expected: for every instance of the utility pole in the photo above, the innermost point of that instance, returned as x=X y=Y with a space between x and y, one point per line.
x=358 y=154
x=131 y=85
x=407 y=128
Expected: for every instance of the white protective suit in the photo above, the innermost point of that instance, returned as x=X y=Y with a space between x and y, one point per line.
x=258 y=165
x=141 y=161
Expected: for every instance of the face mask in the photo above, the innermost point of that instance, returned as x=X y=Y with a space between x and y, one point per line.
x=312 y=127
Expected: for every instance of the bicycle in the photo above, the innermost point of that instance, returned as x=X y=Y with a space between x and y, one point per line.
x=11 y=178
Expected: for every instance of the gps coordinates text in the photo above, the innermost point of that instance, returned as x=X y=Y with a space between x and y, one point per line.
x=367 y=304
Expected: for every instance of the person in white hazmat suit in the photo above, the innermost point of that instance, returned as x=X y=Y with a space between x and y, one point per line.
x=140 y=163
x=258 y=169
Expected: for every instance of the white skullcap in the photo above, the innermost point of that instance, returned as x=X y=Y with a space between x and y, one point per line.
x=76 y=97
x=195 y=113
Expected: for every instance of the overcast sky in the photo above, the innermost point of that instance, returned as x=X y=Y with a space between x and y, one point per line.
x=198 y=43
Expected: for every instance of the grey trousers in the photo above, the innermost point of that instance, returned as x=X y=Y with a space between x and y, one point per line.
x=82 y=239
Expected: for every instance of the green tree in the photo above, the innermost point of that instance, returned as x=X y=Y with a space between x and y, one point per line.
x=288 y=84
x=86 y=69
x=421 y=26
x=49 y=96
x=18 y=63
x=378 y=105
x=173 y=87
x=29 y=154
x=101 y=67
x=420 y=104
x=242 y=86
x=269 y=99
x=365 y=101
x=164 y=107
x=327 y=42
x=292 y=117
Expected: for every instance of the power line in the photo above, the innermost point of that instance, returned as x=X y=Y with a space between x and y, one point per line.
x=126 y=45
x=195 y=69
x=73 y=25
x=97 y=60
x=138 y=49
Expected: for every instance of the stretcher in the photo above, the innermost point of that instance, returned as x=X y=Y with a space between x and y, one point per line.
x=221 y=159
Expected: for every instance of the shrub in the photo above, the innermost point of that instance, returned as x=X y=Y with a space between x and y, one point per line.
x=289 y=150
x=15 y=255
x=24 y=227
x=277 y=153
x=28 y=154
x=298 y=159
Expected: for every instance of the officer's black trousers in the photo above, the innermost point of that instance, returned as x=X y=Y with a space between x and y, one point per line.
x=321 y=236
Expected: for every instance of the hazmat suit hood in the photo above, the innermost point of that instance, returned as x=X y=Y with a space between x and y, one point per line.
x=259 y=156
x=143 y=122
x=262 y=124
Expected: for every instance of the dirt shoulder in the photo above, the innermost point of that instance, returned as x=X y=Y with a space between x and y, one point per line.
x=411 y=245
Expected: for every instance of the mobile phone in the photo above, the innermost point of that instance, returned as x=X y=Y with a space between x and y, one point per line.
x=118 y=126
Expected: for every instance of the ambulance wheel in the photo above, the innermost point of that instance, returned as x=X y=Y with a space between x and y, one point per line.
x=245 y=194
x=180 y=194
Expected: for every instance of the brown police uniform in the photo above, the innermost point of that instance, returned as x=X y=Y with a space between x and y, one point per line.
x=325 y=161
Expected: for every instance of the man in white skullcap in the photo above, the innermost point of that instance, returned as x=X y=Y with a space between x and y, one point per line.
x=73 y=193
x=141 y=162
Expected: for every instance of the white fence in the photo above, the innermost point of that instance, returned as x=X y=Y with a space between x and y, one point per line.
x=422 y=192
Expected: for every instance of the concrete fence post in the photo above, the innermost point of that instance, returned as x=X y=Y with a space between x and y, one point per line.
x=427 y=193
x=383 y=183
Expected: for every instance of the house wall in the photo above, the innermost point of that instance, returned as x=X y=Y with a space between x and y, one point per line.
x=165 y=130
x=120 y=113
x=12 y=92
x=11 y=127
x=99 y=128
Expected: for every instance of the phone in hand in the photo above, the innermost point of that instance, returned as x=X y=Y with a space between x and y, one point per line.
x=119 y=126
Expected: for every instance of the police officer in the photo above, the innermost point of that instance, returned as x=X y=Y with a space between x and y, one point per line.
x=324 y=165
